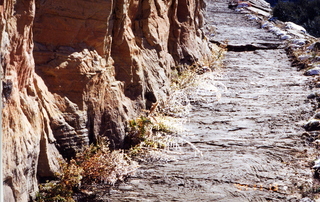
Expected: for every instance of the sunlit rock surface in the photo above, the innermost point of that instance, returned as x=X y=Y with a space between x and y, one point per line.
x=75 y=70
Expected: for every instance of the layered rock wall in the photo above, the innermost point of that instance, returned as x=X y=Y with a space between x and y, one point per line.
x=28 y=107
x=74 y=70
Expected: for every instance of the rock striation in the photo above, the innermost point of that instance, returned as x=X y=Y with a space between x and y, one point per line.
x=74 y=70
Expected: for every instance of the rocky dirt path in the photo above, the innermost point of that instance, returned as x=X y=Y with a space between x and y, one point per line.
x=250 y=138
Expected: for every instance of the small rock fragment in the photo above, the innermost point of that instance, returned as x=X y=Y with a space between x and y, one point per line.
x=317 y=85
x=299 y=42
x=304 y=57
x=312 y=72
x=265 y=25
x=280 y=33
x=317 y=115
x=285 y=37
x=312 y=125
x=306 y=199
x=252 y=17
x=305 y=135
x=314 y=47
x=243 y=4
x=135 y=182
x=316 y=164
x=294 y=46
x=273 y=19
x=126 y=187
x=274 y=29
x=311 y=96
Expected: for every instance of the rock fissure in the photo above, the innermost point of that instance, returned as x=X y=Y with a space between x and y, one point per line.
x=253 y=47
x=250 y=47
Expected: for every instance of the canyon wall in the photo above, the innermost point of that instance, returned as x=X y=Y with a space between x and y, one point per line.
x=74 y=70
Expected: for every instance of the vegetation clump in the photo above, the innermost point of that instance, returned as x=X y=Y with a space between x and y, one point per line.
x=69 y=179
x=96 y=164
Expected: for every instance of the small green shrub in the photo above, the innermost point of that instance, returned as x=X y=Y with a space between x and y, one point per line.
x=182 y=80
x=62 y=190
x=138 y=131
x=145 y=135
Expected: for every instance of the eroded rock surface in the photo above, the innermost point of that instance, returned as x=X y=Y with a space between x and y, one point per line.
x=76 y=70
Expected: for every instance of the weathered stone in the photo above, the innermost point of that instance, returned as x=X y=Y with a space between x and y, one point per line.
x=27 y=138
x=295 y=27
x=314 y=47
x=312 y=125
x=304 y=57
x=306 y=199
x=311 y=96
x=317 y=115
x=312 y=72
x=285 y=37
x=95 y=65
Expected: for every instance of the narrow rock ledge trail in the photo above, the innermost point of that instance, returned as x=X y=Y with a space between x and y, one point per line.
x=250 y=138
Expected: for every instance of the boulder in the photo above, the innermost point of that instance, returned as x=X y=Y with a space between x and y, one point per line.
x=293 y=26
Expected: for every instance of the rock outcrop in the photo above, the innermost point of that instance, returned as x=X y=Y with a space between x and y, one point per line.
x=74 y=70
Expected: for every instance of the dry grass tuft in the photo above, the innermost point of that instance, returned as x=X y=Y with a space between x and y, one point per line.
x=100 y=165
x=159 y=133
x=96 y=164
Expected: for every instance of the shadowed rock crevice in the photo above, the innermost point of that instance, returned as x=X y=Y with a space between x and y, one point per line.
x=250 y=47
x=253 y=47
x=6 y=89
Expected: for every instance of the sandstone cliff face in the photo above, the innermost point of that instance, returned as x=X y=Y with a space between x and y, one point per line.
x=28 y=107
x=75 y=70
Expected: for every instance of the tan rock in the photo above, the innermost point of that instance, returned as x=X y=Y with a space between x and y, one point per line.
x=75 y=70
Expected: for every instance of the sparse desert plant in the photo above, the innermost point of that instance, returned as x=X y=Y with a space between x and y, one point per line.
x=152 y=132
x=184 y=79
x=195 y=83
x=100 y=165
x=164 y=139
x=139 y=130
x=96 y=164
x=191 y=88
x=62 y=190
x=189 y=85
